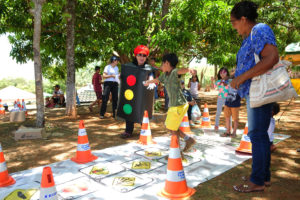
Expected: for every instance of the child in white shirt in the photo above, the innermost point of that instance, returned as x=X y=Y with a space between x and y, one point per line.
x=275 y=110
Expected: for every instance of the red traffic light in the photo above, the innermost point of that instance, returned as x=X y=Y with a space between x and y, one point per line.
x=131 y=80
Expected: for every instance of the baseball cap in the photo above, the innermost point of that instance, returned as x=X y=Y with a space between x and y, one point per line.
x=113 y=58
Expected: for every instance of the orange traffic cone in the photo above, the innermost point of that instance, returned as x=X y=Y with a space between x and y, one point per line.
x=145 y=136
x=175 y=187
x=24 y=107
x=83 y=154
x=205 y=118
x=2 y=110
x=48 y=190
x=245 y=144
x=15 y=105
x=185 y=125
x=19 y=104
x=5 y=178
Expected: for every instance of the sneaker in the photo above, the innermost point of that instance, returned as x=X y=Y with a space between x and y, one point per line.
x=126 y=135
x=188 y=144
x=101 y=117
x=192 y=124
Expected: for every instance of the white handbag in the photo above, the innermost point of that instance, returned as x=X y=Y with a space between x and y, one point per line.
x=273 y=86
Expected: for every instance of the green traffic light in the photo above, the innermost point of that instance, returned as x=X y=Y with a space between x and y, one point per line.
x=127 y=109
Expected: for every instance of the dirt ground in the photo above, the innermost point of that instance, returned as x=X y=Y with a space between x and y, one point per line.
x=102 y=133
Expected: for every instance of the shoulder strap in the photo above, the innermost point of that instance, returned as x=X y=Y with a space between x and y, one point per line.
x=256 y=57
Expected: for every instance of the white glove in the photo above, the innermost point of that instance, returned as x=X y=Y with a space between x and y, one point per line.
x=151 y=86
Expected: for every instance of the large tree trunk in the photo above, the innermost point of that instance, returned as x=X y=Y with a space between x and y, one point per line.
x=216 y=71
x=165 y=10
x=71 y=93
x=37 y=13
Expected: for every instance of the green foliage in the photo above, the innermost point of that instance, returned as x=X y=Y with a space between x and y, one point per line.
x=157 y=106
x=193 y=28
x=18 y=83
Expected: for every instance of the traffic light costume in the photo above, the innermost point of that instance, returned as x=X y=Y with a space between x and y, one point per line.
x=134 y=97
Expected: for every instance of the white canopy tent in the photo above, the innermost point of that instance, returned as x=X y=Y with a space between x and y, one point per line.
x=11 y=93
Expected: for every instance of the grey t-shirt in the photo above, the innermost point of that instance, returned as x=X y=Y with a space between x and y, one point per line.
x=172 y=85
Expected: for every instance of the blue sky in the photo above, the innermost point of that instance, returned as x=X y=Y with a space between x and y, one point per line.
x=9 y=67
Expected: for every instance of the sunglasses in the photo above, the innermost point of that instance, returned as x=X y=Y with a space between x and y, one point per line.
x=142 y=55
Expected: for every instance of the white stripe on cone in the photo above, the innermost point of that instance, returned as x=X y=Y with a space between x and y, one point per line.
x=174 y=153
x=146 y=120
x=146 y=132
x=48 y=193
x=175 y=176
x=205 y=119
x=3 y=167
x=83 y=147
x=246 y=138
x=184 y=124
x=81 y=132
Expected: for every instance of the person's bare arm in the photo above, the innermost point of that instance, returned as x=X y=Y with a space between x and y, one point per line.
x=269 y=58
x=212 y=82
x=193 y=102
x=100 y=80
x=186 y=70
x=105 y=75
x=189 y=84
x=156 y=81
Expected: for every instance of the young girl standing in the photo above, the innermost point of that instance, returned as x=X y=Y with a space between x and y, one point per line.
x=194 y=86
x=222 y=86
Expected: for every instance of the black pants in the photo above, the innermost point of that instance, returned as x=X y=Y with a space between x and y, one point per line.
x=129 y=127
x=190 y=112
x=109 y=87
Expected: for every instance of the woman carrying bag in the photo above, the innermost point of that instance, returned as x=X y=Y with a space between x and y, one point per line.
x=258 y=38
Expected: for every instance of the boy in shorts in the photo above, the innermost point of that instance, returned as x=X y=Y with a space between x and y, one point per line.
x=178 y=105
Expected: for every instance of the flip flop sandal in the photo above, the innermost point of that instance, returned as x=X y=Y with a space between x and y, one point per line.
x=233 y=135
x=246 y=188
x=225 y=135
x=246 y=178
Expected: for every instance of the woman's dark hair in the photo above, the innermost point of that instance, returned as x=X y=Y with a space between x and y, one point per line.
x=219 y=72
x=196 y=78
x=246 y=9
x=171 y=58
x=276 y=108
x=134 y=61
